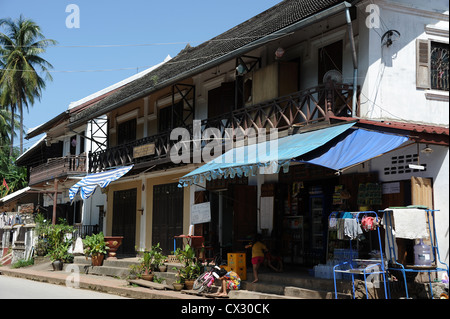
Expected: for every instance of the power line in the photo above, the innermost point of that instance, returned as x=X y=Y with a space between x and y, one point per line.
x=147 y=44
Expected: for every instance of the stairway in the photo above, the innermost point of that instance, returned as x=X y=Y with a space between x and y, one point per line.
x=289 y=285
x=285 y=285
x=119 y=268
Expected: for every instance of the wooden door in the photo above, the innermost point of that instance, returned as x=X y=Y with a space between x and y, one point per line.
x=167 y=215
x=245 y=215
x=124 y=220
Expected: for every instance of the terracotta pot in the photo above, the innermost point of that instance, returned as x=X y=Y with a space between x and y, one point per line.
x=113 y=242
x=189 y=284
x=148 y=277
x=97 y=259
x=177 y=286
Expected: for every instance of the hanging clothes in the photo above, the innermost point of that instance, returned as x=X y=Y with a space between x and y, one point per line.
x=352 y=228
x=346 y=226
x=3 y=220
x=368 y=223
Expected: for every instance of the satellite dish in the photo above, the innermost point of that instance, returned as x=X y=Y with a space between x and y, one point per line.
x=332 y=75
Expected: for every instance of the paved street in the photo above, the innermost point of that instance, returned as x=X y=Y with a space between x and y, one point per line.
x=17 y=288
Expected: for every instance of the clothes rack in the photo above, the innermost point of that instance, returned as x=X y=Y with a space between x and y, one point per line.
x=394 y=265
x=355 y=266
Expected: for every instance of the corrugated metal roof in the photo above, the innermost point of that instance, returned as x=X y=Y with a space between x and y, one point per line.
x=422 y=133
x=264 y=24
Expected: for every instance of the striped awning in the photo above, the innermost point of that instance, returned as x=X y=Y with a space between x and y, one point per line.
x=86 y=187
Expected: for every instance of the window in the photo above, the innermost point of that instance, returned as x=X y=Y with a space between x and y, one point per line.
x=126 y=132
x=432 y=65
x=170 y=117
x=439 y=66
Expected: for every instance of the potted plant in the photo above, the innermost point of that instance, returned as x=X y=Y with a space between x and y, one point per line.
x=146 y=265
x=178 y=285
x=159 y=258
x=58 y=255
x=58 y=243
x=42 y=233
x=191 y=268
x=96 y=247
x=113 y=242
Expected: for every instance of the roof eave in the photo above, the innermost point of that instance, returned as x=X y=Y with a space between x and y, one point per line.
x=215 y=62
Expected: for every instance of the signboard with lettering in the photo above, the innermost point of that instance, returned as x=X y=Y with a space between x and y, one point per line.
x=201 y=213
x=144 y=150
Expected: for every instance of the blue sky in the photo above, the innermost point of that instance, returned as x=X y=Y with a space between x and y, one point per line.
x=82 y=66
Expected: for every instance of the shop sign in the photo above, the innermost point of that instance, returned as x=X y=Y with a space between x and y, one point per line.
x=201 y=213
x=144 y=150
x=391 y=188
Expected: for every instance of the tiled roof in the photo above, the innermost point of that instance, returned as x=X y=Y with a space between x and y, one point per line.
x=272 y=20
x=423 y=133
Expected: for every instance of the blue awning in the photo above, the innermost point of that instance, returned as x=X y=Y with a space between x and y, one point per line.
x=353 y=147
x=337 y=147
x=86 y=187
x=270 y=155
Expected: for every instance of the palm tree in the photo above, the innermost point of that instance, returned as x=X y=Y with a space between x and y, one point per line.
x=20 y=49
x=5 y=127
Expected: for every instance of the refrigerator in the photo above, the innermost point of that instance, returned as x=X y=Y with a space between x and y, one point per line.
x=318 y=227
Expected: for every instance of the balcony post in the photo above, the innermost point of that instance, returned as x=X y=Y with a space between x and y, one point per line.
x=55 y=198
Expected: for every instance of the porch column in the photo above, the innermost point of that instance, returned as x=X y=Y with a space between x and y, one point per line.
x=55 y=200
x=143 y=211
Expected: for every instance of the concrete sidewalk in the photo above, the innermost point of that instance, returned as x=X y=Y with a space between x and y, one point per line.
x=44 y=273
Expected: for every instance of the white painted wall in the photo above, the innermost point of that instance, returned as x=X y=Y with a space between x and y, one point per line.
x=438 y=170
x=388 y=74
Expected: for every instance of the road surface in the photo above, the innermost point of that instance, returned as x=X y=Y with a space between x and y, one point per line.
x=18 y=288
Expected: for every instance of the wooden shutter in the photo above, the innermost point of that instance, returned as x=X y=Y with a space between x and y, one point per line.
x=423 y=79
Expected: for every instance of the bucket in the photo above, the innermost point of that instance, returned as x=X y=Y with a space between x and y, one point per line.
x=422 y=254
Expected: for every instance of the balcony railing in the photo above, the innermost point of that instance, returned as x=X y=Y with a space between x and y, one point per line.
x=57 y=167
x=301 y=108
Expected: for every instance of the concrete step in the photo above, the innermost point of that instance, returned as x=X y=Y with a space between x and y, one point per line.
x=245 y=294
x=304 y=293
x=287 y=285
x=120 y=268
x=111 y=267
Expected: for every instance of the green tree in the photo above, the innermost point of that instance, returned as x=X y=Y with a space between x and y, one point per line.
x=20 y=48
x=15 y=176
x=5 y=127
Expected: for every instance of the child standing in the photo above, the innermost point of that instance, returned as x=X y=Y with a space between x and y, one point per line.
x=258 y=251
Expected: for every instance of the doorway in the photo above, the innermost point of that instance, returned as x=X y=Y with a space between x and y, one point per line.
x=124 y=220
x=330 y=58
x=167 y=215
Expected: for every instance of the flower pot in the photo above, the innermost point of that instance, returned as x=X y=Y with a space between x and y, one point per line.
x=148 y=277
x=177 y=286
x=162 y=268
x=189 y=284
x=97 y=259
x=113 y=242
x=57 y=265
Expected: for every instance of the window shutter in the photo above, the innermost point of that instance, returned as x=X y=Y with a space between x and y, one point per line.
x=423 y=80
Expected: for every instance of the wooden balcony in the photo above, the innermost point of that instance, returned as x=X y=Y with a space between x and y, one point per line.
x=305 y=107
x=57 y=168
